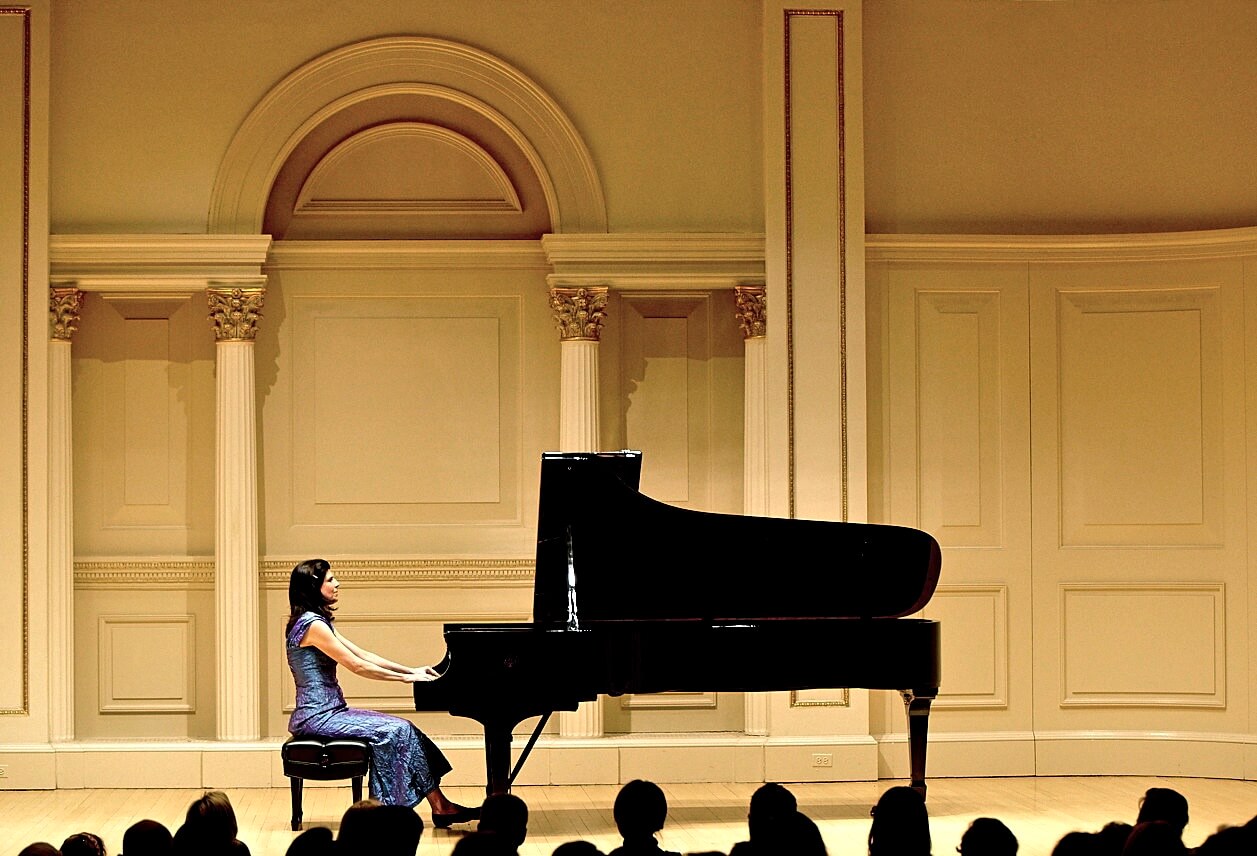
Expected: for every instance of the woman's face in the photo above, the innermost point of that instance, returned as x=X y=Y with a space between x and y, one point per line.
x=330 y=587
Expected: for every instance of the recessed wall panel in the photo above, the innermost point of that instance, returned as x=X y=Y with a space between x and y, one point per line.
x=405 y=410
x=975 y=644
x=658 y=374
x=1140 y=417
x=1153 y=645
x=959 y=390
x=146 y=663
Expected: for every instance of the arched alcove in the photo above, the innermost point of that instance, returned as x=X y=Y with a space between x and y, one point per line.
x=467 y=109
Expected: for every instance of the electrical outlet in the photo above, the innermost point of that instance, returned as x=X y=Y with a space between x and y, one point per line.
x=822 y=759
x=4 y=771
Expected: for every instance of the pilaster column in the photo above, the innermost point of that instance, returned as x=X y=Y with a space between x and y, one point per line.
x=234 y=312
x=579 y=313
x=64 y=306
x=752 y=314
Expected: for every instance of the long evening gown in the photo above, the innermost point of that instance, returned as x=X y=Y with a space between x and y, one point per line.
x=405 y=764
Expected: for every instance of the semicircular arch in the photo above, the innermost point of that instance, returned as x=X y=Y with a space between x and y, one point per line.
x=518 y=105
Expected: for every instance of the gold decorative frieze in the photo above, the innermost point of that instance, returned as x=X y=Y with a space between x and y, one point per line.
x=579 y=311
x=235 y=312
x=752 y=310
x=64 y=305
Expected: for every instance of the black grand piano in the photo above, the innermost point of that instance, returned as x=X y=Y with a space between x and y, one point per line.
x=632 y=595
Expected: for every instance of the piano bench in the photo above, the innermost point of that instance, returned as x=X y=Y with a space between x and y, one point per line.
x=323 y=759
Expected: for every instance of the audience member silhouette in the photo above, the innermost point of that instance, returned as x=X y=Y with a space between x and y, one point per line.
x=505 y=815
x=1111 y=839
x=147 y=838
x=368 y=828
x=83 y=844
x=1077 y=844
x=577 y=848
x=1164 y=804
x=39 y=848
x=771 y=805
x=800 y=836
x=987 y=836
x=1229 y=841
x=900 y=826
x=1154 y=838
x=640 y=810
x=210 y=828
x=315 y=841
x=482 y=844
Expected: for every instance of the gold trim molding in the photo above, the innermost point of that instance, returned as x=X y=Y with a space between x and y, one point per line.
x=64 y=305
x=797 y=701
x=752 y=310
x=25 y=13
x=199 y=573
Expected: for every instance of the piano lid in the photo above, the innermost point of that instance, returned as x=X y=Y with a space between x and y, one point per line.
x=606 y=552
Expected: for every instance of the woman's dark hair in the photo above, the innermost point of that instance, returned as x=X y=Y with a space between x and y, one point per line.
x=84 y=844
x=305 y=591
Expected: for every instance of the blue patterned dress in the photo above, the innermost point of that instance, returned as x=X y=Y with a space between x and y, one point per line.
x=405 y=764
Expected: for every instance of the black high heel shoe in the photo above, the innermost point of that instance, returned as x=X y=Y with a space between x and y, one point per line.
x=460 y=814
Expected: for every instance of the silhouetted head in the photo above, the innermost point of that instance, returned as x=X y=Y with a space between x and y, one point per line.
x=315 y=841
x=640 y=809
x=900 y=826
x=39 y=848
x=800 y=836
x=1164 y=804
x=577 y=848
x=1229 y=841
x=505 y=815
x=1077 y=844
x=1111 y=839
x=1154 y=838
x=305 y=591
x=771 y=804
x=482 y=844
x=357 y=828
x=210 y=821
x=83 y=844
x=147 y=838
x=987 y=836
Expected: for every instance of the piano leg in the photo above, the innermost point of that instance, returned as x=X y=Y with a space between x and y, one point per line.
x=497 y=757
x=917 y=705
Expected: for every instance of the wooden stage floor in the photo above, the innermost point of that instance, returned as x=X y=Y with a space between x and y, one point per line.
x=701 y=817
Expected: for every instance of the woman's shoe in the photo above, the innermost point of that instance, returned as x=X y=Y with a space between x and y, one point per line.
x=460 y=814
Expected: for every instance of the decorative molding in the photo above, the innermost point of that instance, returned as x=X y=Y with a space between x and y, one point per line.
x=439 y=68
x=579 y=312
x=235 y=312
x=109 y=702
x=752 y=310
x=650 y=261
x=64 y=305
x=1162 y=246
x=843 y=699
x=198 y=573
x=405 y=255
x=669 y=701
x=156 y=265
x=998 y=697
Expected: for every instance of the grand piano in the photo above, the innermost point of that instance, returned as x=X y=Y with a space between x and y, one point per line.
x=632 y=595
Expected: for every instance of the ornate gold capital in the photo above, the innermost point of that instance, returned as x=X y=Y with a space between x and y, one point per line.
x=64 y=305
x=752 y=310
x=579 y=311
x=235 y=312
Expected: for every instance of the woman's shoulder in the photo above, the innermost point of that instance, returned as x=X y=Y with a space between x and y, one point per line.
x=302 y=625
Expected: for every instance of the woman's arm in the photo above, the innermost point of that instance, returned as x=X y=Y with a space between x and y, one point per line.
x=354 y=659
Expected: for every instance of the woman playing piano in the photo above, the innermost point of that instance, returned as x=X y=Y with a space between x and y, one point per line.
x=406 y=766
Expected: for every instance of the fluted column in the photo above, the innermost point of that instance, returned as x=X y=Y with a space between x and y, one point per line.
x=579 y=313
x=64 y=306
x=753 y=319
x=235 y=313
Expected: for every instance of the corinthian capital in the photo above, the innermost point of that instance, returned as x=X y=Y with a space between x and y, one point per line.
x=752 y=310
x=579 y=311
x=64 y=305
x=235 y=312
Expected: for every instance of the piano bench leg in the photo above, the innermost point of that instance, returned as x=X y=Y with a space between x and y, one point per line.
x=295 y=787
x=357 y=788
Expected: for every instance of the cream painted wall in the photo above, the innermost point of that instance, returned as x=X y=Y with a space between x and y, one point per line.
x=146 y=97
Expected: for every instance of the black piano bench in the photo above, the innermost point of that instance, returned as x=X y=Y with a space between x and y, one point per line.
x=323 y=759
